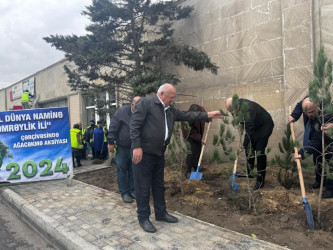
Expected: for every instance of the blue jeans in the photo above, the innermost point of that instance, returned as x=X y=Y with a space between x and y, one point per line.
x=149 y=174
x=124 y=170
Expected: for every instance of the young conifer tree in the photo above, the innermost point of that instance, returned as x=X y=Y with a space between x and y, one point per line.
x=319 y=92
x=178 y=149
x=288 y=168
x=4 y=152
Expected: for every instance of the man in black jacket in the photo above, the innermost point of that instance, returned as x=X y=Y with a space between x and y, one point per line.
x=295 y=115
x=151 y=129
x=258 y=129
x=119 y=134
x=315 y=141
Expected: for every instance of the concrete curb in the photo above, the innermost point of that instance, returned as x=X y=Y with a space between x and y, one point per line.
x=59 y=236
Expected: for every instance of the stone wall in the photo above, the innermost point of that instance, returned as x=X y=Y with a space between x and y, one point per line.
x=297 y=52
x=264 y=49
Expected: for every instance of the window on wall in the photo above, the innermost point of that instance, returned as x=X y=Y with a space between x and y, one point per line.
x=100 y=101
x=55 y=104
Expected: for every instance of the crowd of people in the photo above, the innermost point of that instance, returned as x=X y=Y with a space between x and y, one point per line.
x=94 y=136
x=142 y=130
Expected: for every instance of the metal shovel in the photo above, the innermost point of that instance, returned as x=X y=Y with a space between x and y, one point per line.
x=307 y=206
x=197 y=174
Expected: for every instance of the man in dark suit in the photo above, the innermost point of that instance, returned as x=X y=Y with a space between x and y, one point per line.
x=258 y=128
x=151 y=129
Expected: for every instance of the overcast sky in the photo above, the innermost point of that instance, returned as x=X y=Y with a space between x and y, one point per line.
x=23 y=24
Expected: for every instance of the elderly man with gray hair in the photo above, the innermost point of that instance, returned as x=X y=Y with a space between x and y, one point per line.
x=151 y=129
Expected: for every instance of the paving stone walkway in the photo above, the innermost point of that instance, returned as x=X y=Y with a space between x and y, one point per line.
x=94 y=218
x=87 y=166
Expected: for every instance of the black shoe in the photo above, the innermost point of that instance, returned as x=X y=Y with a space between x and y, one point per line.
x=258 y=185
x=79 y=165
x=147 y=226
x=327 y=195
x=132 y=194
x=127 y=198
x=315 y=185
x=167 y=218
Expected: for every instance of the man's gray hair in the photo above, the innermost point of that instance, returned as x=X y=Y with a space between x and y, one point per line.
x=164 y=88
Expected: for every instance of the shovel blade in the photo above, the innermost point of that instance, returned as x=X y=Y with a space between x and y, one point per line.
x=309 y=216
x=233 y=185
x=196 y=175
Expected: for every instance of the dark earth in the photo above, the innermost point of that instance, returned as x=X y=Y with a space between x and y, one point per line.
x=277 y=216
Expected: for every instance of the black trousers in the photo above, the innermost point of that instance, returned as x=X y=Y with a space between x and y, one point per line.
x=83 y=151
x=76 y=155
x=259 y=147
x=193 y=158
x=317 y=161
x=149 y=174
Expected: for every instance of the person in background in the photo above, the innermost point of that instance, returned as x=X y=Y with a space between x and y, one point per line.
x=104 y=154
x=99 y=140
x=150 y=131
x=76 y=144
x=315 y=141
x=25 y=99
x=119 y=134
x=194 y=135
x=83 y=154
x=258 y=128
x=89 y=137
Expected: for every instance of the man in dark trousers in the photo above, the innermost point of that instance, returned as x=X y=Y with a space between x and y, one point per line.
x=315 y=141
x=258 y=128
x=151 y=129
x=119 y=134
x=295 y=115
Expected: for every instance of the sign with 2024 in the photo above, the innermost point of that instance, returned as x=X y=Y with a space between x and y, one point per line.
x=35 y=145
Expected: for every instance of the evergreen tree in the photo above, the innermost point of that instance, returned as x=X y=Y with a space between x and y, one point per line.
x=319 y=92
x=287 y=166
x=128 y=45
x=4 y=152
x=178 y=149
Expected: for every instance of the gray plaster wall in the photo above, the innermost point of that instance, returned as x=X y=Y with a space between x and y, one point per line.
x=51 y=83
x=264 y=49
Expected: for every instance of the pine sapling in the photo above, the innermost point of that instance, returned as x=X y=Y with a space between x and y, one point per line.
x=319 y=93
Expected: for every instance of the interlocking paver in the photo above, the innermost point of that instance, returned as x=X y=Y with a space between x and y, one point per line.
x=101 y=218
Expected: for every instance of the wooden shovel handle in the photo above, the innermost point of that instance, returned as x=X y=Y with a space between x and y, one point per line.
x=298 y=161
x=204 y=144
x=235 y=164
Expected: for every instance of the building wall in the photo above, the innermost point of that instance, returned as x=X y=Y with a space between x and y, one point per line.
x=2 y=99
x=74 y=109
x=265 y=50
x=51 y=83
x=244 y=38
